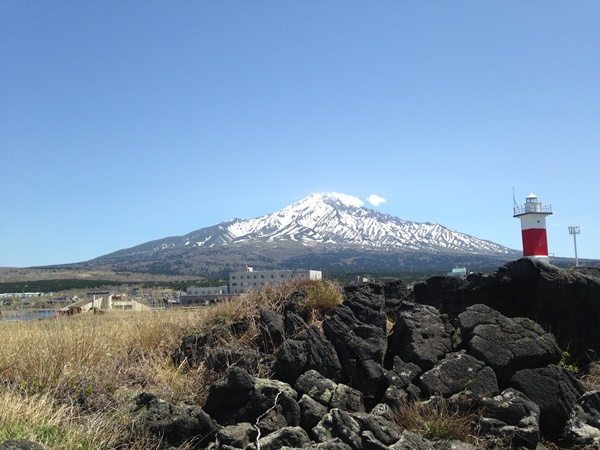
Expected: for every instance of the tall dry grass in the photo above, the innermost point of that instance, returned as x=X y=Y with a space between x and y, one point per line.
x=67 y=382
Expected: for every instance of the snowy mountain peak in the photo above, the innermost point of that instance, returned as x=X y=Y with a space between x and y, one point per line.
x=330 y=220
x=334 y=218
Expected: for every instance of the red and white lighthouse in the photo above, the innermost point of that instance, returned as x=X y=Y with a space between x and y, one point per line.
x=533 y=227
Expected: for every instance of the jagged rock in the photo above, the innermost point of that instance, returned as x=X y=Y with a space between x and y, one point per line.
x=291 y=437
x=177 y=424
x=347 y=398
x=311 y=412
x=511 y=417
x=201 y=348
x=291 y=361
x=236 y=436
x=590 y=407
x=411 y=441
x=555 y=390
x=420 y=336
x=358 y=430
x=223 y=357
x=360 y=346
x=505 y=344
x=334 y=444
x=338 y=424
x=240 y=398
x=328 y=393
x=454 y=444
x=395 y=292
x=272 y=330
x=583 y=427
x=308 y=349
x=294 y=324
x=446 y=294
x=460 y=373
x=272 y=421
x=378 y=427
x=580 y=433
x=20 y=444
x=565 y=301
x=395 y=398
x=383 y=410
x=403 y=374
x=367 y=302
x=296 y=304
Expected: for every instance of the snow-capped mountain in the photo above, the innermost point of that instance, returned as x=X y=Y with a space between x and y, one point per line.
x=316 y=224
x=337 y=219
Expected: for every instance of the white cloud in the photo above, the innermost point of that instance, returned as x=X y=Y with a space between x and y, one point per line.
x=349 y=200
x=376 y=200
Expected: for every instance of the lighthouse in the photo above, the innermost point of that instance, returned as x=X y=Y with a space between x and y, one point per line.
x=533 y=227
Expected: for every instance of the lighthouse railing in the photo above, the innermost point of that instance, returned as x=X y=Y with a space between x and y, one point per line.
x=532 y=207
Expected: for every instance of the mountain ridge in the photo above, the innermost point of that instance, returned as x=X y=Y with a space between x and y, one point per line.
x=320 y=224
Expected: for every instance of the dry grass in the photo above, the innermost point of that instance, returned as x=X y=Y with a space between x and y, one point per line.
x=67 y=382
x=591 y=380
x=437 y=419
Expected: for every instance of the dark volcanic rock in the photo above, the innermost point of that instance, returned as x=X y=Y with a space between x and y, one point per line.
x=357 y=330
x=328 y=393
x=512 y=417
x=177 y=424
x=565 y=301
x=307 y=349
x=460 y=373
x=207 y=348
x=420 y=336
x=555 y=390
x=272 y=330
x=358 y=430
x=395 y=293
x=506 y=345
x=288 y=437
x=240 y=398
x=236 y=436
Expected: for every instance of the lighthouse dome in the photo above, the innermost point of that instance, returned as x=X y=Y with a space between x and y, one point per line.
x=531 y=197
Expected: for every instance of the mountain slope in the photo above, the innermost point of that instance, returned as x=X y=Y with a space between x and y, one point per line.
x=318 y=224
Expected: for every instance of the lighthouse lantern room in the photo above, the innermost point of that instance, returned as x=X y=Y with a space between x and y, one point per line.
x=533 y=227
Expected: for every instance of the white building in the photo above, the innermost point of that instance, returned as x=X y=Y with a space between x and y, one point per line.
x=207 y=290
x=244 y=281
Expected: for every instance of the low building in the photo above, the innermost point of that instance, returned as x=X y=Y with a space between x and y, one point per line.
x=458 y=272
x=244 y=281
x=111 y=301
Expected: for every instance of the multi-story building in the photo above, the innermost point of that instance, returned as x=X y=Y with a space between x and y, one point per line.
x=240 y=282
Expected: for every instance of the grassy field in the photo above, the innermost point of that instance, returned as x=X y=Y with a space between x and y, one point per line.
x=67 y=382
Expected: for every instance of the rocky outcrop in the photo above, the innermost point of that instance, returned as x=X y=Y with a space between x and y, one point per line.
x=342 y=385
x=421 y=335
x=555 y=390
x=175 y=424
x=506 y=344
x=357 y=329
x=562 y=301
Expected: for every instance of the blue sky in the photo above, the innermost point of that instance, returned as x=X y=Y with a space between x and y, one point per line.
x=124 y=122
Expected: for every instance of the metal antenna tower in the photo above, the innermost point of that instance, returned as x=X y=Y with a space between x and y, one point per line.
x=575 y=231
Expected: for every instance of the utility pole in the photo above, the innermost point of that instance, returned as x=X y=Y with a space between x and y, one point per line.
x=22 y=301
x=575 y=231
